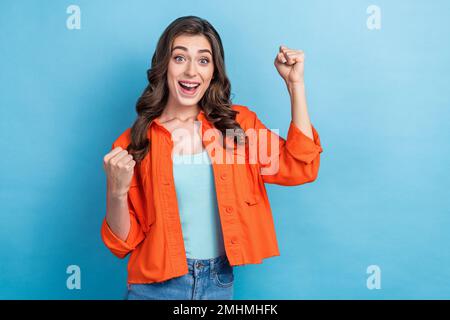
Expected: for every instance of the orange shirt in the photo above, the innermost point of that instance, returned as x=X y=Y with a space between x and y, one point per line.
x=155 y=240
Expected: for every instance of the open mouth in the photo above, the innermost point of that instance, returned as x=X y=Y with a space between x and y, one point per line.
x=188 y=88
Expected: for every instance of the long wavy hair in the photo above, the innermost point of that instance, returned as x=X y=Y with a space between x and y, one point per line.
x=215 y=103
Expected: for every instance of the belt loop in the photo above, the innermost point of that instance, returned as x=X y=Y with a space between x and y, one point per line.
x=213 y=264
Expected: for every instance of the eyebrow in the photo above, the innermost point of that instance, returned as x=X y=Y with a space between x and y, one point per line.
x=185 y=49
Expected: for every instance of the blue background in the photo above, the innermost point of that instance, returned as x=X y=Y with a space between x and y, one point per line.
x=378 y=98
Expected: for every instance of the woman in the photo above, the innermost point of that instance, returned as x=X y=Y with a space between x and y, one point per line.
x=188 y=224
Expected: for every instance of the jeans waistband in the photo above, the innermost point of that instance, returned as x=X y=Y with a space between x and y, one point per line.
x=213 y=263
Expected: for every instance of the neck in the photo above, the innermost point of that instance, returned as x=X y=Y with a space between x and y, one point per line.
x=183 y=113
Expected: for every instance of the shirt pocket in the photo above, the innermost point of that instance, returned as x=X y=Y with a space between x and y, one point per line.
x=248 y=183
x=137 y=203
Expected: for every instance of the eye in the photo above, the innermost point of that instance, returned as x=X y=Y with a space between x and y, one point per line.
x=205 y=59
x=176 y=58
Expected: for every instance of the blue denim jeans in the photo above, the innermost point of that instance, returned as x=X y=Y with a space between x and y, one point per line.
x=208 y=279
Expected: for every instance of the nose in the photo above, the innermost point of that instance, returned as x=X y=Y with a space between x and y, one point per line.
x=190 y=69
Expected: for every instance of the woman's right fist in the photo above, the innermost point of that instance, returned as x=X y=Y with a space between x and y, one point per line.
x=119 y=168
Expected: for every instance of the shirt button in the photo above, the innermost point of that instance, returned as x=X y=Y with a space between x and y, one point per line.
x=223 y=176
x=234 y=240
x=229 y=209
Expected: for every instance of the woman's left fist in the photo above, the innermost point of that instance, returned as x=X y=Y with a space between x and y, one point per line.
x=290 y=65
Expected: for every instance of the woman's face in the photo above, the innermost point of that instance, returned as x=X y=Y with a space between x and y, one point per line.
x=190 y=69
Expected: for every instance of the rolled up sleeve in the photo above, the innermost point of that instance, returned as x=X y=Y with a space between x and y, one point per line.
x=298 y=156
x=135 y=236
x=116 y=245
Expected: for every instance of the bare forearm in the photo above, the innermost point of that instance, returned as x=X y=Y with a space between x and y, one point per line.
x=299 y=108
x=117 y=215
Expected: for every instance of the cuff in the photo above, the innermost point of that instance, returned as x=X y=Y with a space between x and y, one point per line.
x=301 y=146
x=113 y=242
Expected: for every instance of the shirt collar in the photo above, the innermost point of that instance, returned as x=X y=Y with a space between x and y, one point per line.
x=200 y=117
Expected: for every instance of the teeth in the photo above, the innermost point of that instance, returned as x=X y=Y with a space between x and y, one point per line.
x=190 y=85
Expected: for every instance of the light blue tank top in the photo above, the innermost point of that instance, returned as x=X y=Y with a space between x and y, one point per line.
x=197 y=203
